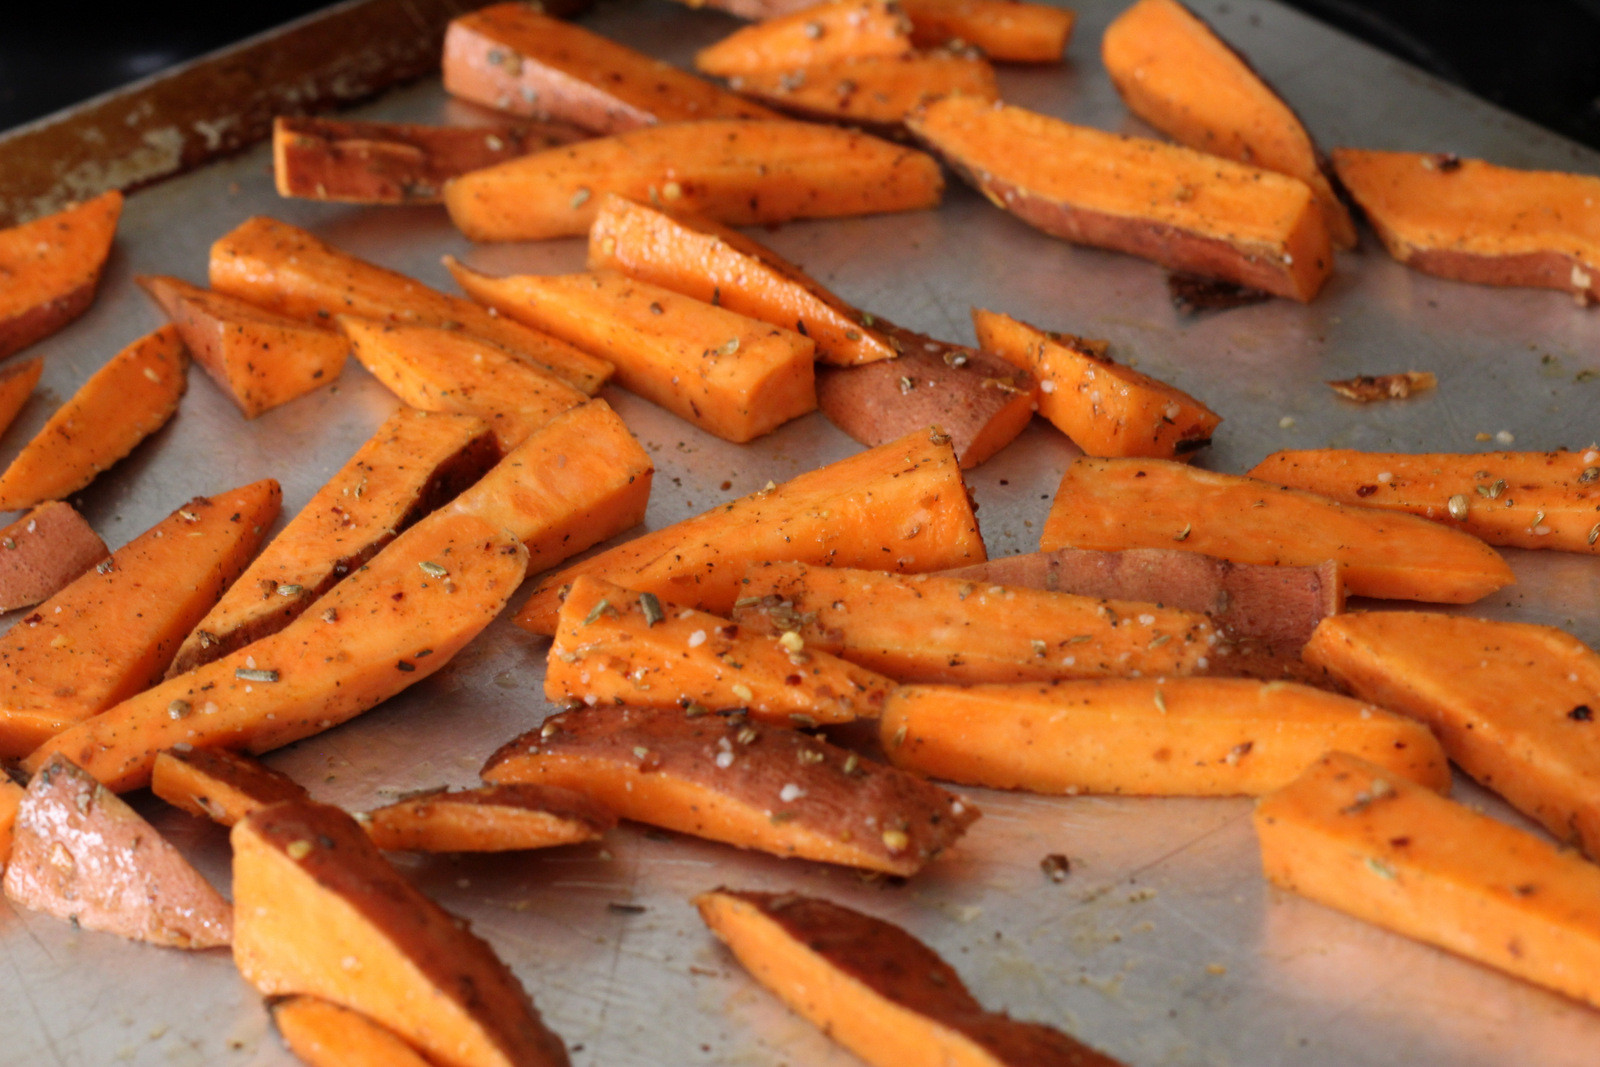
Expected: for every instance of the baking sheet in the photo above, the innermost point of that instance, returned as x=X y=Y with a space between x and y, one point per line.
x=1163 y=946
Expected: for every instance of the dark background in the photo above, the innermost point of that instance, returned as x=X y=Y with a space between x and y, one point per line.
x=1538 y=58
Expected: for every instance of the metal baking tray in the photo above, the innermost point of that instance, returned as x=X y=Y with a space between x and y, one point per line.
x=1164 y=945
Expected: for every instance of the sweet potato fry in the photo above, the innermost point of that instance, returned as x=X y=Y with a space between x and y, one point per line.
x=287 y=270
x=1356 y=838
x=826 y=32
x=323 y=1034
x=1008 y=31
x=321 y=912
x=1146 y=736
x=874 y=92
x=1526 y=499
x=17 y=382
x=1114 y=504
x=737 y=171
x=121 y=404
x=1538 y=748
x=219 y=785
x=389 y=625
x=874 y=988
x=901 y=505
x=50 y=267
x=11 y=795
x=748 y=784
x=81 y=854
x=112 y=632
x=1183 y=209
x=731 y=375
x=43 y=552
x=496 y=818
x=414 y=464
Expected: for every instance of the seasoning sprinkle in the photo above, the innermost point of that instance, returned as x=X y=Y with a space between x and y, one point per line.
x=1161 y=701
x=105 y=566
x=746 y=735
x=253 y=674
x=179 y=709
x=1183 y=534
x=1594 y=533
x=651 y=608
x=899 y=736
x=433 y=570
x=290 y=590
x=1457 y=506
x=1056 y=867
x=1380 y=868
x=580 y=198
x=298 y=850
x=694 y=709
x=1589 y=474
x=851 y=762
x=896 y=840
x=598 y=610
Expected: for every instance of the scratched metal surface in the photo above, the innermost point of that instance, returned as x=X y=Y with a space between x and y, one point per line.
x=1163 y=946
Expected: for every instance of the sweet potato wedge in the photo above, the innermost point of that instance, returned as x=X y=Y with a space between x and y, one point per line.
x=1356 y=838
x=257 y=358
x=514 y=58
x=823 y=33
x=121 y=404
x=1185 y=210
x=389 y=625
x=81 y=854
x=874 y=92
x=413 y=464
x=323 y=1034
x=1146 y=736
x=1526 y=499
x=618 y=647
x=50 y=267
x=753 y=785
x=1114 y=504
x=43 y=552
x=11 y=794
x=1537 y=748
x=1477 y=222
x=321 y=912
x=496 y=818
x=112 y=632
x=901 y=505
x=738 y=171
x=719 y=265
x=434 y=369
x=17 y=382
x=287 y=270
x=1174 y=72
x=1106 y=408
x=874 y=988
x=219 y=785
x=731 y=375
x=1009 y=31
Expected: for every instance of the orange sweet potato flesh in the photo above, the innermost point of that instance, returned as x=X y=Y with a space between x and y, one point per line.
x=827 y=32
x=731 y=375
x=1106 y=408
x=875 y=92
x=1146 y=736
x=614 y=646
x=17 y=382
x=901 y=505
x=43 y=552
x=1174 y=72
x=389 y=625
x=323 y=1034
x=874 y=988
x=121 y=404
x=496 y=818
x=1476 y=222
x=1185 y=210
x=749 y=784
x=82 y=854
x=219 y=785
x=515 y=59
x=112 y=632
x=1356 y=838
x=1525 y=499
x=1515 y=704
x=11 y=795
x=414 y=464
x=257 y=358
x=445 y=370
x=738 y=171
x=321 y=912
x=288 y=270
x=719 y=265
x=50 y=267
x=1010 y=31
x=1115 y=504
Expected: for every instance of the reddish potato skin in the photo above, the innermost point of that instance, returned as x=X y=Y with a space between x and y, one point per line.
x=50 y=269
x=43 y=552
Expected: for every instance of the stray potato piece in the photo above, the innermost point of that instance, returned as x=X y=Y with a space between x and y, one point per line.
x=17 y=381
x=1355 y=837
x=112 y=632
x=43 y=552
x=1476 y=222
x=81 y=854
x=1365 y=388
x=414 y=464
x=876 y=92
x=219 y=785
x=495 y=818
x=826 y=32
x=749 y=784
x=321 y=912
x=615 y=646
x=323 y=1034
x=1514 y=704
x=902 y=505
x=1007 y=31
x=50 y=267
x=121 y=404
x=1184 y=209
x=874 y=988
x=258 y=358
